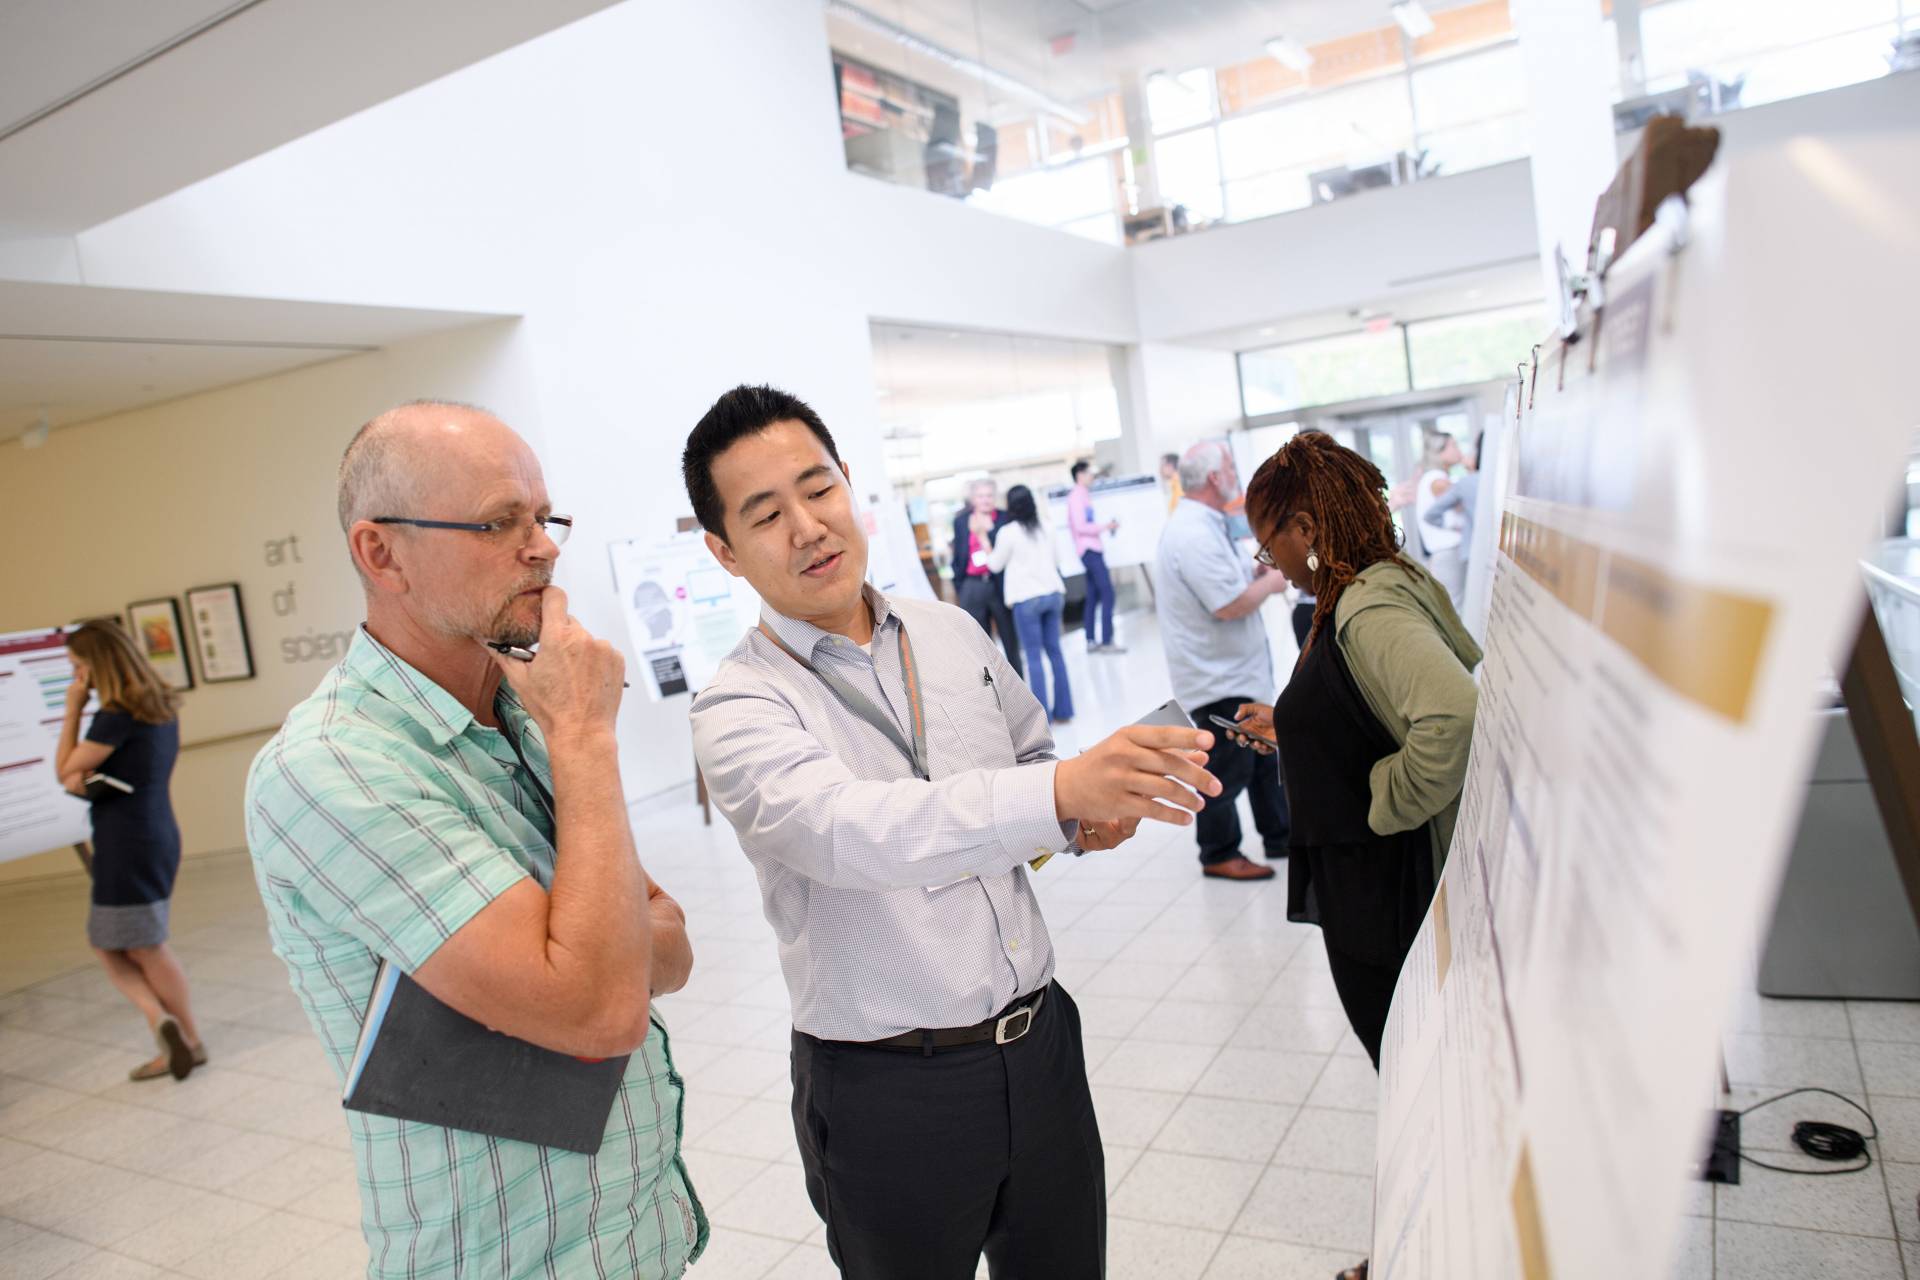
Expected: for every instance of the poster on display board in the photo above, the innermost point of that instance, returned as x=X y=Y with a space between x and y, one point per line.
x=35 y=813
x=1655 y=635
x=684 y=613
x=893 y=552
x=1137 y=502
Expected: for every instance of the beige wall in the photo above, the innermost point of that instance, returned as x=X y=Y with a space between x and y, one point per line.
x=235 y=485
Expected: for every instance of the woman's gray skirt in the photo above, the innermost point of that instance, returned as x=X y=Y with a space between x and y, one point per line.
x=142 y=924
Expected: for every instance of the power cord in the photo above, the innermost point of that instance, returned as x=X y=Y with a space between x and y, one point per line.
x=1821 y=1139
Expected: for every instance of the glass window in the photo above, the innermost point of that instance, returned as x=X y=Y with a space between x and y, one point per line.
x=1104 y=227
x=957 y=402
x=1480 y=347
x=1472 y=110
x=1270 y=158
x=1765 y=50
x=947 y=96
x=1179 y=101
x=1054 y=196
x=1348 y=366
x=1270 y=193
x=1188 y=168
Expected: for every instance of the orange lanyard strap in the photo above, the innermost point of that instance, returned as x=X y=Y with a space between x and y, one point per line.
x=914 y=747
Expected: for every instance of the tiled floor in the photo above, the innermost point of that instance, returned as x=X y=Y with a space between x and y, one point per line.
x=1236 y=1106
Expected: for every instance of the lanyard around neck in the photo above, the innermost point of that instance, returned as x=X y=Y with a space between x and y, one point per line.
x=915 y=749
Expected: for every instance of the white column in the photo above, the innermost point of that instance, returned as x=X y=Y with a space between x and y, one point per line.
x=1563 y=47
x=1133 y=104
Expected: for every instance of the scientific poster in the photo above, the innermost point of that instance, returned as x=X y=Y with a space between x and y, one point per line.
x=684 y=612
x=35 y=814
x=1677 y=567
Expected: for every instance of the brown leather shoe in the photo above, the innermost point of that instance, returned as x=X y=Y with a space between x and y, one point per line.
x=1237 y=868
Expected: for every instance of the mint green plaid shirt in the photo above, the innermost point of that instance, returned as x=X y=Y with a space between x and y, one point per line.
x=381 y=818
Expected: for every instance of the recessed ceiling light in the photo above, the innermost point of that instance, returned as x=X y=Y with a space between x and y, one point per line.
x=1413 y=18
x=1267 y=331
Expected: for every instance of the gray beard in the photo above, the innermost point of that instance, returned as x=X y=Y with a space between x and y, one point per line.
x=523 y=637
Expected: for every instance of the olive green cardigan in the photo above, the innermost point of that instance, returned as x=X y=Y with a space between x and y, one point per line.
x=1413 y=661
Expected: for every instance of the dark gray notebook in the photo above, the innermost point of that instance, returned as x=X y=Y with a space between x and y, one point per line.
x=419 y=1059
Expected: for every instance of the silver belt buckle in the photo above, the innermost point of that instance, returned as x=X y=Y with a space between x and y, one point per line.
x=1002 y=1032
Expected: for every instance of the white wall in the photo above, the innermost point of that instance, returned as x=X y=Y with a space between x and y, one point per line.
x=235 y=485
x=661 y=192
x=1187 y=394
x=1359 y=249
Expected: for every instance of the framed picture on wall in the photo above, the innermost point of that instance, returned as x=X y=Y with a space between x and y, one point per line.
x=219 y=627
x=156 y=629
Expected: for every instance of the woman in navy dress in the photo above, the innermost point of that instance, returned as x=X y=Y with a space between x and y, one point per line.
x=134 y=739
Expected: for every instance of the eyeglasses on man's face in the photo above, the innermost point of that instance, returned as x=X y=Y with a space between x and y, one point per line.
x=517 y=532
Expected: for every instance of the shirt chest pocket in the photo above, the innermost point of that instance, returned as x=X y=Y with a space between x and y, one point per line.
x=967 y=729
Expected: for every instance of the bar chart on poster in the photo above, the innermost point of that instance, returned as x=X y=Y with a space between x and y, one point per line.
x=1676 y=572
x=35 y=814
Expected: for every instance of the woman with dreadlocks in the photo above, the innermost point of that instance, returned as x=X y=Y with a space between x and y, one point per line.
x=1373 y=726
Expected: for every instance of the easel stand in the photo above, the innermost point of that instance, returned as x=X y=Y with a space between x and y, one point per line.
x=1883 y=728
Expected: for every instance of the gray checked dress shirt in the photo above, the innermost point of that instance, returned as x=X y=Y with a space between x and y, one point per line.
x=897 y=903
x=1200 y=570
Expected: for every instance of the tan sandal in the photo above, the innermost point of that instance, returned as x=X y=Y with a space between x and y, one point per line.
x=156 y=1069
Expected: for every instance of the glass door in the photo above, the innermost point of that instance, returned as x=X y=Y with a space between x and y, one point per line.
x=1394 y=440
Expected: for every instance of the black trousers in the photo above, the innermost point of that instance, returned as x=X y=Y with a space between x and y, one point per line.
x=1239 y=769
x=981 y=596
x=918 y=1164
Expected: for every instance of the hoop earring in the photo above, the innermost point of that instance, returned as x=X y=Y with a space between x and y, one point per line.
x=1313 y=561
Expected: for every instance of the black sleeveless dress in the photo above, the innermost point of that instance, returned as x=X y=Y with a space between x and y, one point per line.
x=136 y=842
x=1367 y=892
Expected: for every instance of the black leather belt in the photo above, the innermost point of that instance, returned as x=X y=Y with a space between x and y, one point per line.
x=1003 y=1028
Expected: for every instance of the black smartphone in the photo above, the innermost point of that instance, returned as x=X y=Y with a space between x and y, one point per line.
x=1236 y=727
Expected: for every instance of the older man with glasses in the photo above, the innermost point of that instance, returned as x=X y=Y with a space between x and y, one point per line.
x=448 y=801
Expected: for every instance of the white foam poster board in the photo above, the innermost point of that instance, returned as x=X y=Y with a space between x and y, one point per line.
x=35 y=813
x=1137 y=502
x=1676 y=569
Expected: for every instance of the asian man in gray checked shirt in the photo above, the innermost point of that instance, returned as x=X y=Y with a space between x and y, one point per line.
x=888 y=774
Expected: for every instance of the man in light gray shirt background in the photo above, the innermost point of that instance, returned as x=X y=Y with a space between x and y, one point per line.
x=1208 y=596
x=887 y=774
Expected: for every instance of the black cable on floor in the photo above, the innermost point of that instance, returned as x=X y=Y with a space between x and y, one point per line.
x=1822 y=1140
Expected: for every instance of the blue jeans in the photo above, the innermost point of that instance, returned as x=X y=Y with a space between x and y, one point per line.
x=1099 y=595
x=1038 y=621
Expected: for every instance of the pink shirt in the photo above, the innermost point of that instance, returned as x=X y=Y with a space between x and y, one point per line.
x=1086 y=533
